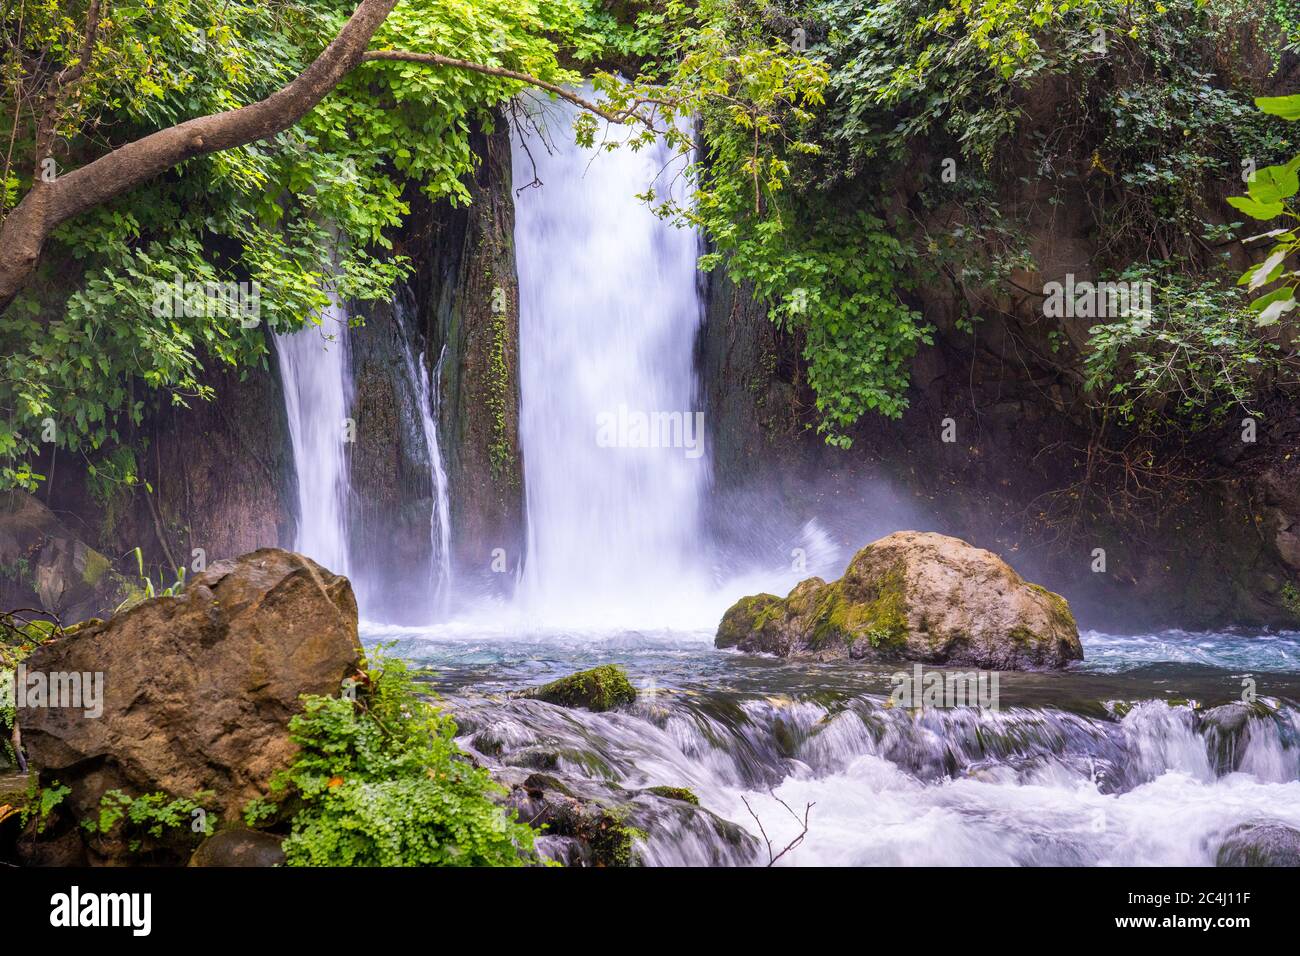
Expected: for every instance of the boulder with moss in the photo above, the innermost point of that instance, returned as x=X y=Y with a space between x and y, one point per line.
x=914 y=596
x=600 y=688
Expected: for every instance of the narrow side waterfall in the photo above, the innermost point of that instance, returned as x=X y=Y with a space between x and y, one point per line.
x=314 y=367
x=440 y=513
x=608 y=316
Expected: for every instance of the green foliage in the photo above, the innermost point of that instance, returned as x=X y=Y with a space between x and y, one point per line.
x=1272 y=196
x=1291 y=599
x=1188 y=364
x=306 y=215
x=831 y=271
x=794 y=156
x=145 y=589
x=150 y=817
x=379 y=782
x=42 y=801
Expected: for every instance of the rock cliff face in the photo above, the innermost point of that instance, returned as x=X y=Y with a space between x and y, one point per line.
x=918 y=597
x=393 y=498
x=221 y=474
x=467 y=292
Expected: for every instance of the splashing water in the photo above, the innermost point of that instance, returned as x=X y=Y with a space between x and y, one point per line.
x=1018 y=786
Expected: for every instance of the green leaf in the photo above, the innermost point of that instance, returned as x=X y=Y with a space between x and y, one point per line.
x=1269 y=268
x=1287 y=107
x=1270 y=314
x=1273 y=184
x=1256 y=210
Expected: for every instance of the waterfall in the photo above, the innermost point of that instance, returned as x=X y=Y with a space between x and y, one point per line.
x=611 y=439
x=440 y=512
x=314 y=369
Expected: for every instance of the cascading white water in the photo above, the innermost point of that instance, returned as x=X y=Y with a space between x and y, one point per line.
x=608 y=316
x=440 y=513
x=314 y=369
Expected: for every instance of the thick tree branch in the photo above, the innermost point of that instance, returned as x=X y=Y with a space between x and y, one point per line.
x=48 y=205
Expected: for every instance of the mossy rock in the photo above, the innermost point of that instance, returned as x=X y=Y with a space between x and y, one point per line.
x=598 y=689
x=913 y=596
x=613 y=840
x=683 y=794
x=1260 y=844
x=746 y=617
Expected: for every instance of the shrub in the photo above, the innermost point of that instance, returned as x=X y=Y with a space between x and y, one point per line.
x=379 y=781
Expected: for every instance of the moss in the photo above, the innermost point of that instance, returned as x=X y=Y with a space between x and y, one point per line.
x=1291 y=599
x=1059 y=609
x=748 y=616
x=685 y=794
x=80 y=626
x=881 y=620
x=499 y=396
x=612 y=841
x=1024 y=637
x=598 y=689
x=96 y=566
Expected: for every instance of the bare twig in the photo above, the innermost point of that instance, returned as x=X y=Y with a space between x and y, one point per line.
x=803 y=823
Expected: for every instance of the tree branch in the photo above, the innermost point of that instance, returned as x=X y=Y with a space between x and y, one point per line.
x=772 y=857
x=49 y=204
x=629 y=114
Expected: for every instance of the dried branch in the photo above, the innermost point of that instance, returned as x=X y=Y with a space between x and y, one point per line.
x=772 y=857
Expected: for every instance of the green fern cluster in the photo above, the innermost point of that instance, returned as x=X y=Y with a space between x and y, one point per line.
x=379 y=781
x=151 y=815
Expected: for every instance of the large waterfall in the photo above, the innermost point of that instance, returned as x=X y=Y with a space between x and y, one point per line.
x=317 y=386
x=609 y=425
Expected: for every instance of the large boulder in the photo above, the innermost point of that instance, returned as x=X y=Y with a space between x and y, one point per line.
x=198 y=689
x=913 y=596
x=44 y=566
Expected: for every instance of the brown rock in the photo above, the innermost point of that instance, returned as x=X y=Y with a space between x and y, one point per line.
x=198 y=689
x=239 y=847
x=913 y=596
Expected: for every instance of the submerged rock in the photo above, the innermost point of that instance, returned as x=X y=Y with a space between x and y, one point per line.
x=196 y=690
x=913 y=596
x=600 y=688
x=1226 y=730
x=1260 y=844
x=597 y=823
x=239 y=847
